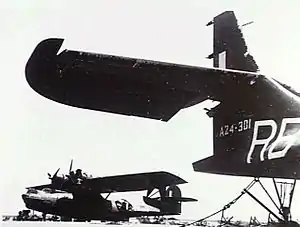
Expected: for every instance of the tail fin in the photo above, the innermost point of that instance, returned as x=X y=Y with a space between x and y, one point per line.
x=256 y=133
x=170 y=203
x=230 y=50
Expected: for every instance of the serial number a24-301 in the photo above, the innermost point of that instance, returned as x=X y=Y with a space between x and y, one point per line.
x=240 y=126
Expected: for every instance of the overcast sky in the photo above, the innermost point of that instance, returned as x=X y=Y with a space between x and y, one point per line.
x=39 y=136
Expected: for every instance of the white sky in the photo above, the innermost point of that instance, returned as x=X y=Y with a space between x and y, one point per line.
x=39 y=135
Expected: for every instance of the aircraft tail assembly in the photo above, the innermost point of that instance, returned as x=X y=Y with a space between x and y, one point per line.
x=169 y=201
x=256 y=125
x=261 y=125
x=229 y=47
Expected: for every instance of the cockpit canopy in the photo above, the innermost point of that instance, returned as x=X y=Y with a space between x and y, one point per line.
x=32 y=191
x=47 y=190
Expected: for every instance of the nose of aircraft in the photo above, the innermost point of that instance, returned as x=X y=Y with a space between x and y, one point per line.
x=29 y=203
x=25 y=196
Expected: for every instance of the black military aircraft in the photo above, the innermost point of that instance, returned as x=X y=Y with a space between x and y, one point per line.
x=80 y=197
x=255 y=126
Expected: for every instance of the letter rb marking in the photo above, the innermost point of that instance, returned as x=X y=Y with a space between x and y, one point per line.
x=287 y=140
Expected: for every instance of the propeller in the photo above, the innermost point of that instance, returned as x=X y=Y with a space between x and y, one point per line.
x=54 y=175
x=57 y=181
x=70 y=170
x=71 y=165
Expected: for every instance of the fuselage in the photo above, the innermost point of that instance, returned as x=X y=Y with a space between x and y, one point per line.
x=64 y=204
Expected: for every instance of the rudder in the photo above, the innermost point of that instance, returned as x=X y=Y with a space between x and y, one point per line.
x=229 y=47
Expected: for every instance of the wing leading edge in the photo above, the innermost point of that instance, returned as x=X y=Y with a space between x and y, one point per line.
x=135 y=182
x=126 y=183
x=127 y=86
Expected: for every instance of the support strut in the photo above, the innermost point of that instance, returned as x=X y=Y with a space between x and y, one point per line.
x=270 y=197
x=284 y=211
x=292 y=193
x=263 y=205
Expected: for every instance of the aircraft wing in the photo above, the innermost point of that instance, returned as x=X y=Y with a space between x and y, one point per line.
x=133 y=182
x=124 y=183
x=127 y=86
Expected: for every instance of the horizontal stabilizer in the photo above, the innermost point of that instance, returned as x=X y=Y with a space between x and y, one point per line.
x=179 y=199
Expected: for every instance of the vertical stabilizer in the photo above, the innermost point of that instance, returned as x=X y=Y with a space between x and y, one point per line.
x=230 y=50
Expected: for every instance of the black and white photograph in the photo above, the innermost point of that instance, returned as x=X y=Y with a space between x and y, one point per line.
x=150 y=113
